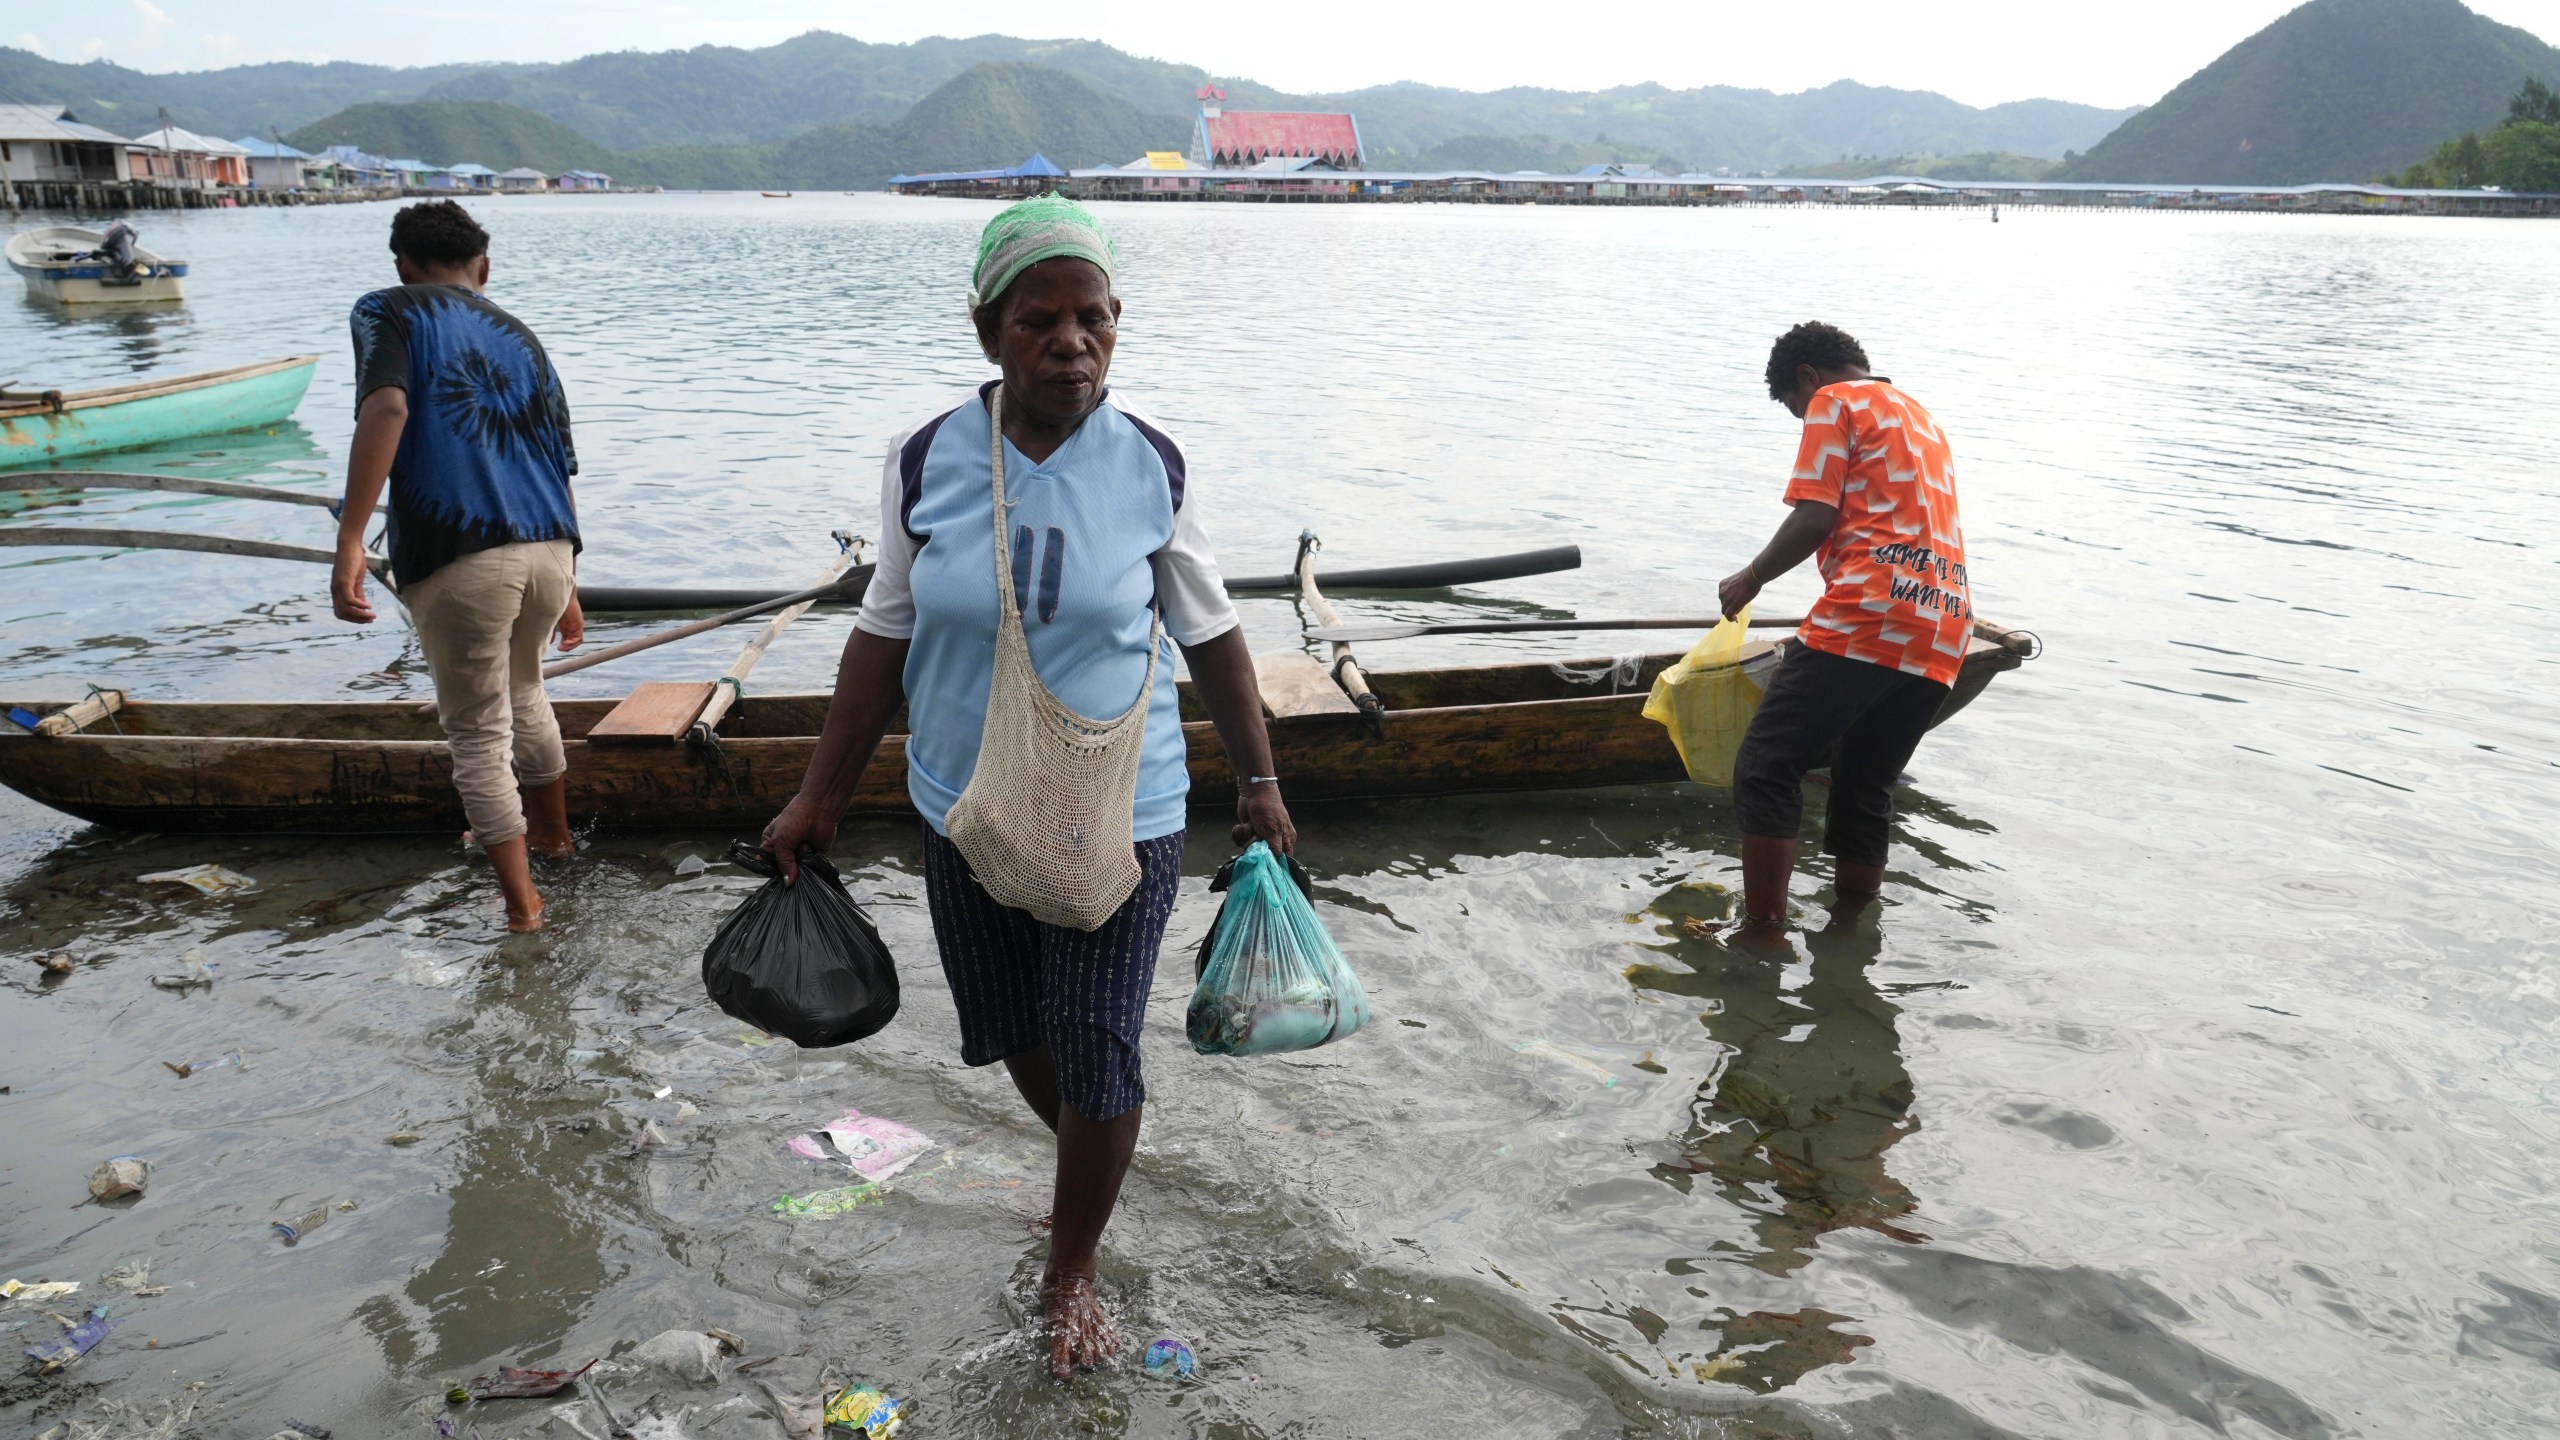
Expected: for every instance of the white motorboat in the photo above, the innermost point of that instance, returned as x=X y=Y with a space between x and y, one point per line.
x=76 y=266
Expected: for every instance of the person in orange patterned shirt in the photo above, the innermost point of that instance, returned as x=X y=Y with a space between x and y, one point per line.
x=1874 y=497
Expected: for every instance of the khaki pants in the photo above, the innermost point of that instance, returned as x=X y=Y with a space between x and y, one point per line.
x=484 y=621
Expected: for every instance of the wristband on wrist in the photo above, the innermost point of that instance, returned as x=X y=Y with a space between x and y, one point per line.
x=1246 y=782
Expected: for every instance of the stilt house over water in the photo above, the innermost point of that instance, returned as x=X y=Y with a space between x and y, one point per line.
x=1225 y=139
x=47 y=142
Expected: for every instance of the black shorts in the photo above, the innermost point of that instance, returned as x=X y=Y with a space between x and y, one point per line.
x=1862 y=719
x=1019 y=984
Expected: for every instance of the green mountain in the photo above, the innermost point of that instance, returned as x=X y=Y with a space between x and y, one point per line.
x=2335 y=90
x=726 y=97
x=449 y=132
x=986 y=117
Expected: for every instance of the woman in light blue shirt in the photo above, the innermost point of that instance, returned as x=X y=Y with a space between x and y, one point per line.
x=1104 y=540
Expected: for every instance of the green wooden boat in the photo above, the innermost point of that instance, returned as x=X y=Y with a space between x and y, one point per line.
x=40 y=427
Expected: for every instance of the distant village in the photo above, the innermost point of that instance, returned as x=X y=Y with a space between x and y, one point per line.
x=1307 y=157
x=49 y=158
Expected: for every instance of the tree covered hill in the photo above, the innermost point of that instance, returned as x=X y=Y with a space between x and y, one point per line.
x=719 y=96
x=449 y=132
x=987 y=116
x=2334 y=90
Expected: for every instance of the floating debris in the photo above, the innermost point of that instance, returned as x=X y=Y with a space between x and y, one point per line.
x=862 y=1410
x=133 y=1275
x=37 y=1291
x=114 y=1179
x=293 y=1230
x=843 y=1200
x=84 y=1337
x=56 y=964
x=1170 y=1359
x=1550 y=1050
x=208 y=879
x=871 y=1147
x=511 y=1383
x=688 y=1355
x=198 y=1067
x=402 y=1139
x=197 y=973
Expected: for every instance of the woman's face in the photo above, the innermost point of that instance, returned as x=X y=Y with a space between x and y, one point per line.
x=1052 y=332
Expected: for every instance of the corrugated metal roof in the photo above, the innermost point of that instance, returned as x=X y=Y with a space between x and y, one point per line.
x=49 y=122
x=1038 y=167
x=1249 y=136
x=174 y=138
x=269 y=149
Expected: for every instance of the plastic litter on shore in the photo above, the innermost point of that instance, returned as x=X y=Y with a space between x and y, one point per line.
x=209 y=879
x=197 y=973
x=36 y=1291
x=511 y=1383
x=1550 y=1050
x=872 y=1147
x=121 y=1176
x=687 y=1355
x=1170 y=1359
x=864 y=1411
x=310 y=1220
x=843 y=1200
x=84 y=1337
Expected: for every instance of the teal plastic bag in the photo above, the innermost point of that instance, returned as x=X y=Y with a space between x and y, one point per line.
x=1271 y=980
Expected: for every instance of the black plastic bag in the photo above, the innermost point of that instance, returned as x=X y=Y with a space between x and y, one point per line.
x=801 y=961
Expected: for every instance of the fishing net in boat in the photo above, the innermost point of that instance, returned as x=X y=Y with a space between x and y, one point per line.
x=1271 y=980
x=1706 y=701
x=1044 y=819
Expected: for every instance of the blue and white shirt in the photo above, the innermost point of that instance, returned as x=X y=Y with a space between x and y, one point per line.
x=1104 y=530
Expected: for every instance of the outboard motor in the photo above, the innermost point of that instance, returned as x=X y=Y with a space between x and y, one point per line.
x=117 y=247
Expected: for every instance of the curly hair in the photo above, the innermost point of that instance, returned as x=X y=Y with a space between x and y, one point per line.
x=1824 y=347
x=437 y=232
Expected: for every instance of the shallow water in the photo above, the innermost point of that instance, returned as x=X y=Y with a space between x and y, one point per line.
x=2192 y=1081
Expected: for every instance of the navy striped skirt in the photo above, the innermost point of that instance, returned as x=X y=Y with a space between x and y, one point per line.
x=1019 y=984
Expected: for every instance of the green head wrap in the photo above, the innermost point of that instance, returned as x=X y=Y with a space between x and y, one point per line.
x=1027 y=232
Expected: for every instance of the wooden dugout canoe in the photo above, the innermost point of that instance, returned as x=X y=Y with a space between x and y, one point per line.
x=381 y=766
x=41 y=426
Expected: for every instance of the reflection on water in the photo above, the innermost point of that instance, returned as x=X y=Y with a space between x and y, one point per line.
x=138 y=339
x=1794 y=1125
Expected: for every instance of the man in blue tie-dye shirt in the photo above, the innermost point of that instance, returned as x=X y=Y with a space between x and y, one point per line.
x=459 y=411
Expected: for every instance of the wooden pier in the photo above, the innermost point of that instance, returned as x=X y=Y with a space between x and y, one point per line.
x=111 y=196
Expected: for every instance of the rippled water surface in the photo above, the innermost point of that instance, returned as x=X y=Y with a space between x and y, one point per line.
x=2193 y=1081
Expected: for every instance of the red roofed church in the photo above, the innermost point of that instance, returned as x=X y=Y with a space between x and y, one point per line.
x=1241 y=139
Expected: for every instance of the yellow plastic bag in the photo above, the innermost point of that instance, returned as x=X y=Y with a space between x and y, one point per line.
x=1706 y=702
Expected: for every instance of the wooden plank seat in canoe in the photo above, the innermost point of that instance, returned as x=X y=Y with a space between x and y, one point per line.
x=366 y=766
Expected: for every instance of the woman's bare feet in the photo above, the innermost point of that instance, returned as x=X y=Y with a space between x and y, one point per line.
x=1081 y=1334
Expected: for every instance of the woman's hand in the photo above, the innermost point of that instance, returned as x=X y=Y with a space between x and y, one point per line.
x=802 y=822
x=1262 y=815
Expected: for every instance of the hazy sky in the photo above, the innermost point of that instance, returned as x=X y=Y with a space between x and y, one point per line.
x=1980 y=51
